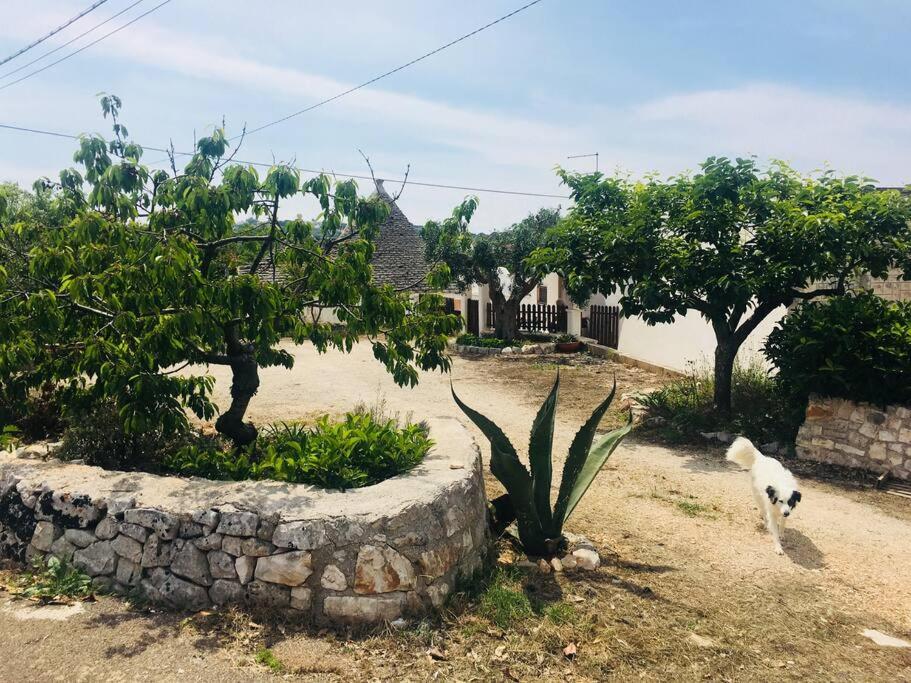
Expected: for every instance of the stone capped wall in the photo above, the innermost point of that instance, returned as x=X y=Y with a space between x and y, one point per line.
x=362 y=556
x=858 y=435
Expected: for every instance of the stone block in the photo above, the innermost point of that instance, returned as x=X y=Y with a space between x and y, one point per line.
x=128 y=547
x=191 y=563
x=162 y=524
x=221 y=565
x=128 y=573
x=333 y=579
x=256 y=547
x=301 y=598
x=268 y=594
x=99 y=559
x=208 y=542
x=288 y=569
x=382 y=570
x=135 y=531
x=183 y=594
x=245 y=567
x=233 y=545
x=157 y=553
x=107 y=529
x=44 y=536
x=364 y=609
x=305 y=535
x=63 y=549
x=238 y=523
x=224 y=592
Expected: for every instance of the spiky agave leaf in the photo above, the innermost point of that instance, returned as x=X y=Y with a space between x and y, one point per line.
x=582 y=463
x=509 y=471
x=540 y=456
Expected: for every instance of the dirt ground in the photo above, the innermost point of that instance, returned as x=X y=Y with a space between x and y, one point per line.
x=690 y=587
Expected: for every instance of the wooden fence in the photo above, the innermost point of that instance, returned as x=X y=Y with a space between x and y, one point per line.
x=535 y=317
x=604 y=325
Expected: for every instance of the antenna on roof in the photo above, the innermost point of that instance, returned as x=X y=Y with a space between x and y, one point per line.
x=587 y=156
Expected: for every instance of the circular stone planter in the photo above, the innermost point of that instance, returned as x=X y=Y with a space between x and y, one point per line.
x=356 y=557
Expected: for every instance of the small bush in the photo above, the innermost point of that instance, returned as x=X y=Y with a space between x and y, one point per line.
x=54 y=579
x=483 y=342
x=97 y=437
x=856 y=347
x=760 y=410
x=358 y=451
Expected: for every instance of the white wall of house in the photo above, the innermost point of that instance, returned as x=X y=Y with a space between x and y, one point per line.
x=549 y=292
x=689 y=339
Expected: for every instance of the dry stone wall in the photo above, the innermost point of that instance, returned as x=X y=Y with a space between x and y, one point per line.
x=860 y=435
x=361 y=556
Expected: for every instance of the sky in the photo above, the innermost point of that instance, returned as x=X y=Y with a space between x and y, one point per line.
x=652 y=86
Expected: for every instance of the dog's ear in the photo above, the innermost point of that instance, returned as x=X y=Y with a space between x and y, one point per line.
x=771 y=493
x=795 y=498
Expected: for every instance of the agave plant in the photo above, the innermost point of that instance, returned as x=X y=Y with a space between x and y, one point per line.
x=540 y=525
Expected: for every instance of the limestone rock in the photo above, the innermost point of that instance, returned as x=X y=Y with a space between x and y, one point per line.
x=238 y=523
x=225 y=592
x=438 y=592
x=209 y=542
x=44 y=536
x=221 y=565
x=164 y=525
x=107 y=529
x=128 y=547
x=233 y=545
x=587 y=559
x=63 y=549
x=99 y=559
x=157 y=553
x=300 y=535
x=268 y=594
x=362 y=609
x=333 y=579
x=208 y=519
x=134 y=531
x=436 y=562
x=183 y=594
x=382 y=570
x=289 y=569
x=191 y=563
x=301 y=598
x=245 y=566
x=256 y=547
x=128 y=573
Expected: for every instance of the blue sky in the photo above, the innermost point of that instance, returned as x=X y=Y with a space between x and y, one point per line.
x=651 y=86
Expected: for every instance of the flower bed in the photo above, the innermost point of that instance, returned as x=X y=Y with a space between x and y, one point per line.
x=361 y=556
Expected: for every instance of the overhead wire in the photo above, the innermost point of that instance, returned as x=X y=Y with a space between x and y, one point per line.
x=52 y=33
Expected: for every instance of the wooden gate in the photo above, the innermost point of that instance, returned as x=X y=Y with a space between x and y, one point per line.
x=604 y=325
x=474 y=320
x=535 y=317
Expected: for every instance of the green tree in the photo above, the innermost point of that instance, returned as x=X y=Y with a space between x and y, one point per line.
x=732 y=243
x=497 y=259
x=141 y=279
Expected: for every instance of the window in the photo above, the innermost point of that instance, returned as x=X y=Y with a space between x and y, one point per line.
x=542 y=295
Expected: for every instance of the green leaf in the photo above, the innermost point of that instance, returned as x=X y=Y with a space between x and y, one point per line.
x=578 y=453
x=540 y=455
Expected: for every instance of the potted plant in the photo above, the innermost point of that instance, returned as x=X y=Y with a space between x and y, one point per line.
x=567 y=343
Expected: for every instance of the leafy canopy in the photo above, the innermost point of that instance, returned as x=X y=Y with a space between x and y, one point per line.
x=134 y=274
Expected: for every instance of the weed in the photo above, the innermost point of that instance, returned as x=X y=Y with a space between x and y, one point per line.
x=54 y=579
x=504 y=602
x=266 y=656
x=561 y=613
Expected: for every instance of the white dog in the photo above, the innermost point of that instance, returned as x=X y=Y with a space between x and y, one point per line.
x=774 y=487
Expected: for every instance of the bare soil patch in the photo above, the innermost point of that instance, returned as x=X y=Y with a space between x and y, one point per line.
x=690 y=587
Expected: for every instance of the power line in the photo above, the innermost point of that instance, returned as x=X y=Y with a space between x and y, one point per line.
x=84 y=47
x=261 y=164
x=52 y=33
x=71 y=40
x=392 y=71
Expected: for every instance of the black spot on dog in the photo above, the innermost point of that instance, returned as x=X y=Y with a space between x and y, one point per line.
x=772 y=494
x=794 y=499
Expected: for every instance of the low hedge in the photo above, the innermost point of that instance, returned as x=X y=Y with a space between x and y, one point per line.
x=856 y=347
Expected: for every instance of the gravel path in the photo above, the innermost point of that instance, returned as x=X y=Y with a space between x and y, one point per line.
x=681 y=512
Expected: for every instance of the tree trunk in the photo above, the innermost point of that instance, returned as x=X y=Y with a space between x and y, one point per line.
x=725 y=353
x=244 y=384
x=507 y=322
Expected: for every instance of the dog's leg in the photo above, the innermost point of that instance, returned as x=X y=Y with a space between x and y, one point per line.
x=776 y=533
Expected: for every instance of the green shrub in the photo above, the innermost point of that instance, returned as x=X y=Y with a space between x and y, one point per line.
x=97 y=436
x=53 y=579
x=358 y=451
x=856 y=347
x=760 y=409
x=483 y=342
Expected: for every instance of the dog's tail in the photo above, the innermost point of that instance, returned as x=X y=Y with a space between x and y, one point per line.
x=743 y=452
